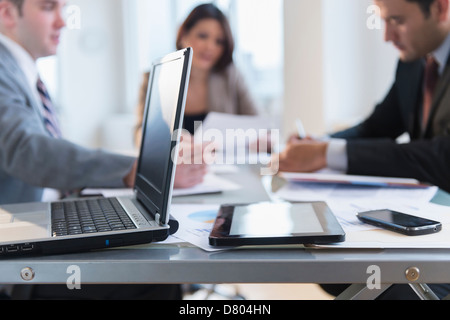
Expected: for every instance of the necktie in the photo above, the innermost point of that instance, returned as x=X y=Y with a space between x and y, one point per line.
x=48 y=111
x=431 y=79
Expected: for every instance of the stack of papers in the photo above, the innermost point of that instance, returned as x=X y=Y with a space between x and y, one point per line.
x=338 y=178
x=296 y=190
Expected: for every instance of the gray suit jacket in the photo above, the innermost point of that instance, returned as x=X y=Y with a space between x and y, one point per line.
x=30 y=159
x=229 y=93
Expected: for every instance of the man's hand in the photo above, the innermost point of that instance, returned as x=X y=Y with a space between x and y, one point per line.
x=303 y=156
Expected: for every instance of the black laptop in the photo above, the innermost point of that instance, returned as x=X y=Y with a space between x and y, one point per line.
x=98 y=223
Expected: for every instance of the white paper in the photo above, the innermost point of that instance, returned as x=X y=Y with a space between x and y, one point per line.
x=196 y=223
x=224 y=122
x=211 y=184
x=331 y=177
x=230 y=130
x=346 y=201
x=296 y=191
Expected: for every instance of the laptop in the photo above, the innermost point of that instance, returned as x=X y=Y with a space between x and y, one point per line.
x=97 y=223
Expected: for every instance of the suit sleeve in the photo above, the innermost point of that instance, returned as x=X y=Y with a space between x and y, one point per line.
x=385 y=122
x=28 y=153
x=372 y=148
x=425 y=160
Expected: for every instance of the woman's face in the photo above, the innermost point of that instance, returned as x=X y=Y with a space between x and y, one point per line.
x=207 y=38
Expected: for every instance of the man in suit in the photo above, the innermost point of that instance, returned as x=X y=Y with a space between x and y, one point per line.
x=420 y=30
x=418 y=104
x=33 y=154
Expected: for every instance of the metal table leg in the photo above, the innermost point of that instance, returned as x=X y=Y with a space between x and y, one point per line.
x=361 y=292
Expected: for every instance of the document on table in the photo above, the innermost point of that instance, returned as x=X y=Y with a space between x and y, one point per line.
x=376 y=238
x=196 y=223
x=346 y=200
x=222 y=125
x=211 y=184
x=328 y=176
x=298 y=191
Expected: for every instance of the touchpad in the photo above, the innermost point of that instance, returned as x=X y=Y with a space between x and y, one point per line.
x=24 y=227
x=31 y=217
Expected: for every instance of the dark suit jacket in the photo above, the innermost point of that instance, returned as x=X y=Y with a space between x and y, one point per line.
x=372 y=149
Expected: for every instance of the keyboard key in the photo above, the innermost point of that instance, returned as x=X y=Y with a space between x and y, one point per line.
x=89 y=216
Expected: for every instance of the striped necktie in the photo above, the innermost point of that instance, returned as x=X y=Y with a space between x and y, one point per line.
x=431 y=80
x=48 y=111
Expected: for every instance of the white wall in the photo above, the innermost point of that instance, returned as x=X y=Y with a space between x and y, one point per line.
x=304 y=78
x=92 y=71
x=337 y=69
x=359 y=66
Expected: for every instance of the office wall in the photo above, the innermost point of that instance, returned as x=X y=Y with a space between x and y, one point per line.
x=92 y=71
x=336 y=68
x=359 y=66
x=304 y=73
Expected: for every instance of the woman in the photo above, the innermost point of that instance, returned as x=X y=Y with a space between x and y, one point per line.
x=215 y=84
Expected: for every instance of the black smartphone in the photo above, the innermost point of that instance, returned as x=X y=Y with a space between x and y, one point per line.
x=400 y=222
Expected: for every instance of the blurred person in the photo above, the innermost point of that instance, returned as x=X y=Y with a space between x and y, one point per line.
x=34 y=154
x=216 y=85
x=418 y=104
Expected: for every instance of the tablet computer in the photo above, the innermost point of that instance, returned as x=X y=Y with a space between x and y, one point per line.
x=270 y=223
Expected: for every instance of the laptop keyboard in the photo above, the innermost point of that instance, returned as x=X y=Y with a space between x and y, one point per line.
x=89 y=216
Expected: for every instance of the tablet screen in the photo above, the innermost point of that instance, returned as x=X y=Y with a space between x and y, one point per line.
x=272 y=219
x=270 y=223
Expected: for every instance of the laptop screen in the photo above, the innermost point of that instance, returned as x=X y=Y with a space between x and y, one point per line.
x=163 y=118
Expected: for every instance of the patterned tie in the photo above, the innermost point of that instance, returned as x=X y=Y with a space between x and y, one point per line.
x=48 y=112
x=431 y=79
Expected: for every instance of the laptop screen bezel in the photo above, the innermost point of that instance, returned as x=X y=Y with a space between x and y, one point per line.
x=157 y=202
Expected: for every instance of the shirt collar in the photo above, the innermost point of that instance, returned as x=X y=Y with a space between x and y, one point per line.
x=23 y=59
x=442 y=54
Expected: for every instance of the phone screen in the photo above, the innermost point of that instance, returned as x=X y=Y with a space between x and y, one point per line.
x=397 y=218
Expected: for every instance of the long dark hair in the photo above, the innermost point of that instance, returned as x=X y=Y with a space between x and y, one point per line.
x=210 y=11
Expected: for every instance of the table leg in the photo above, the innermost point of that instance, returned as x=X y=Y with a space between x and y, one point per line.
x=423 y=291
x=361 y=292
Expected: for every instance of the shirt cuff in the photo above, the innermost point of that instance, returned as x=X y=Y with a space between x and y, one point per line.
x=337 y=158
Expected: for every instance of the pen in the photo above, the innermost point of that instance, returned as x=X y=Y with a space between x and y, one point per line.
x=300 y=129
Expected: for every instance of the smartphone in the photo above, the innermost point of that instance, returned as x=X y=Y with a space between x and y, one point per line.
x=400 y=222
